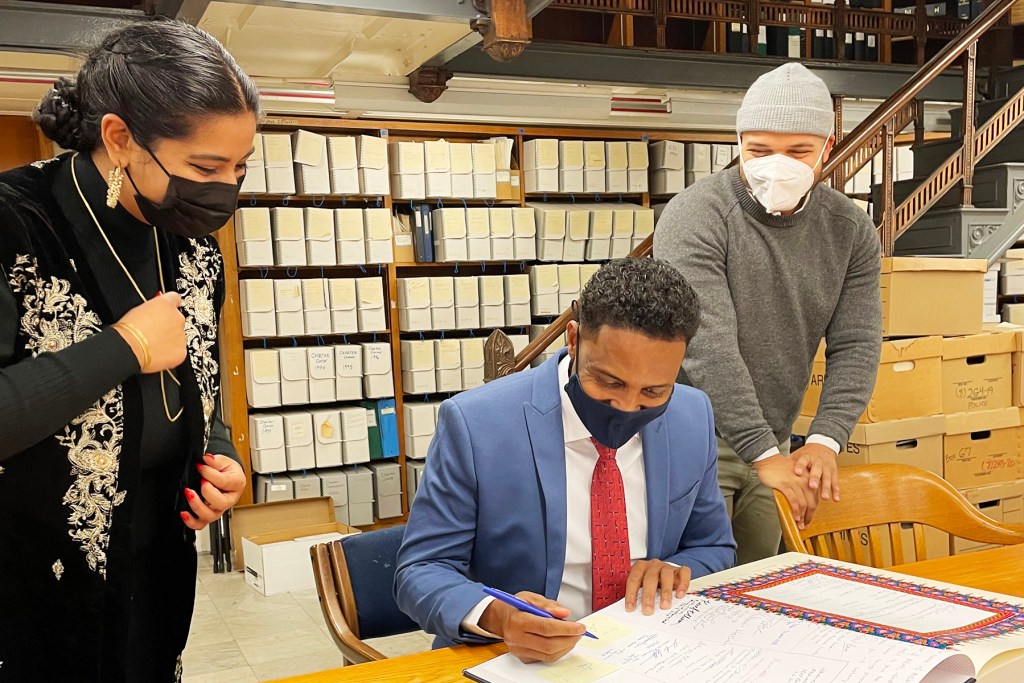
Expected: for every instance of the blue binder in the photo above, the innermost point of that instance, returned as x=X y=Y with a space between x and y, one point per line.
x=387 y=420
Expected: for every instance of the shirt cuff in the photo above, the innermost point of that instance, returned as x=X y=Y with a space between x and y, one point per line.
x=824 y=441
x=470 y=623
x=774 y=450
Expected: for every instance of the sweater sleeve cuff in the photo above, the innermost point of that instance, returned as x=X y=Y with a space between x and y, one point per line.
x=759 y=448
x=118 y=352
x=831 y=429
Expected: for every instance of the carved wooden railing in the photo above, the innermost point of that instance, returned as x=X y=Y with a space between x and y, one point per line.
x=874 y=134
x=756 y=13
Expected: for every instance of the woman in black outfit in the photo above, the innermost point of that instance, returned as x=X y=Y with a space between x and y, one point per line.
x=112 y=453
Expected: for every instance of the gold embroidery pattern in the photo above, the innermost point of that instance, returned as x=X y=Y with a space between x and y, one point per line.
x=58 y=569
x=178 y=670
x=54 y=319
x=197 y=283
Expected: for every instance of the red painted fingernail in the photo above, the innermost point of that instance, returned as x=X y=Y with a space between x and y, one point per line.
x=159 y=293
x=190 y=494
x=208 y=458
x=199 y=466
x=204 y=483
x=184 y=516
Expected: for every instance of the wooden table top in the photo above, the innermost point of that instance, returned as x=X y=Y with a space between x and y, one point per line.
x=1000 y=570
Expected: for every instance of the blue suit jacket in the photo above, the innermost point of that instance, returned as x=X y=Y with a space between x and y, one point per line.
x=491 y=511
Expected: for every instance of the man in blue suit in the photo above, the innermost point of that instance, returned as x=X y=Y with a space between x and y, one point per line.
x=589 y=479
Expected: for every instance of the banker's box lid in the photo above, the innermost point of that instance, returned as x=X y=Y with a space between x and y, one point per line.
x=916 y=264
x=983 y=421
x=900 y=350
x=986 y=344
x=264 y=518
x=884 y=432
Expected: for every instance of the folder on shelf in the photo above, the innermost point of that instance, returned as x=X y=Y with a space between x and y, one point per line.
x=256 y=300
x=266 y=434
x=294 y=376
x=323 y=374
x=253 y=238
x=312 y=167
x=379 y=231
x=344 y=309
x=289 y=232
x=370 y=291
x=351 y=237
x=288 y=306
x=263 y=378
x=300 y=449
x=320 y=237
x=344 y=165
x=348 y=362
x=255 y=180
x=316 y=306
x=328 y=438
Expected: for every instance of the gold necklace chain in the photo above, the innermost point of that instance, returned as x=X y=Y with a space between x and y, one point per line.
x=160 y=272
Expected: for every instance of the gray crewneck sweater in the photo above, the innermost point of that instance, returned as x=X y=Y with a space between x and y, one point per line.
x=770 y=288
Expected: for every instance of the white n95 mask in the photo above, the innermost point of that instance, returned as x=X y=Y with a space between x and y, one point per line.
x=778 y=182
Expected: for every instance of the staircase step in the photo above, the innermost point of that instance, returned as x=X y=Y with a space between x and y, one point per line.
x=984 y=110
x=929 y=155
x=950 y=232
x=999 y=186
x=1008 y=82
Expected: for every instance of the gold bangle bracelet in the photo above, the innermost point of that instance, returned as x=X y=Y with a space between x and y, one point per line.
x=147 y=357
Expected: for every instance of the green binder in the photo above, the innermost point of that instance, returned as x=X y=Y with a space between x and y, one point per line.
x=373 y=427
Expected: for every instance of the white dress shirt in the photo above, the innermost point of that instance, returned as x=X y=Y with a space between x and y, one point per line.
x=580 y=459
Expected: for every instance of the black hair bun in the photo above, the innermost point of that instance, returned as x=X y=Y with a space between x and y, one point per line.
x=59 y=116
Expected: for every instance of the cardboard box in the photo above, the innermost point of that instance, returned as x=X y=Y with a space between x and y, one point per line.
x=266 y=434
x=492 y=301
x=351 y=237
x=294 y=376
x=277 y=159
x=278 y=562
x=413 y=475
x=448 y=365
x=387 y=489
x=406 y=158
x=1003 y=503
x=932 y=296
x=667 y=181
x=616 y=167
x=472 y=351
x=323 y=374
x=982 y=448
x=370 y=291
x=312 y=169
x=414 y=304
x=418 y=375
x=253 y=238
x=373 y=165
x=300 y=450
x=307 y=485
x=643 y=225
x=341 y=295
x=355 y=435
x=587 y=271
x=255 y=520
x=540 y=165
x=467 y=302
x=377 y=379
x=450 y=234
x=442 y=303
x=908 y=384
x=697 y=158
x=544 y=290
x=524 y=225
x=420 y=423
x=348 y=361
x=502 y=234
x=594 y=166
x=667 y=155
x=255 y=180
x=478 y=233
x=569 y=286
x=256 y=300
x=599 y=247
x=291 y=321
x=916 y=442
x=551 y=228
x=343 y=162
x=570 y=166
x=273 y=488
x=623 y=227
x=377 y=224
x=289 y=233
x=977 y=372
x=316 y=309
x=577 y=233
x=638 y=165
x=360 y=495
x=262 y=378
x=517 y=299
x=334 y=485
x=326 y=425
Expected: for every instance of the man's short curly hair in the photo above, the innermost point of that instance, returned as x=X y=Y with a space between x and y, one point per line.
x=642 y=295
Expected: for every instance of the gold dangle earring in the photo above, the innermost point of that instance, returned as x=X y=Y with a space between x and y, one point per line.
x=114 y=180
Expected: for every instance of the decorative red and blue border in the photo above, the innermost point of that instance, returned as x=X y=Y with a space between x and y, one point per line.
x=1004 y=617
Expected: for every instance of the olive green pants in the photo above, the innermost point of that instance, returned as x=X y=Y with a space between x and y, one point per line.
x=751 y=506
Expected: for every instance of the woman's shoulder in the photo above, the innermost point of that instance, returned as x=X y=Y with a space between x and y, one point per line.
x=25 y=193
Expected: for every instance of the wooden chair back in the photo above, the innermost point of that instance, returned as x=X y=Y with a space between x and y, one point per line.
x=338 y=606
x=882 y=515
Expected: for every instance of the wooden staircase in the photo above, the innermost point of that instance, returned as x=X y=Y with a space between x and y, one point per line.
x=987 y=132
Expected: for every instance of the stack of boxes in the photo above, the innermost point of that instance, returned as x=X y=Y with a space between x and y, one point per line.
x=944 y=397
x=312 y=306
x=579 y=232
x=677 y=165
x=585 y=167
x=438 y=169
x=463 y=302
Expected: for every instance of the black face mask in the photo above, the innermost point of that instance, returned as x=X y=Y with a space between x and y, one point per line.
x=190 y=208
x=610 y=426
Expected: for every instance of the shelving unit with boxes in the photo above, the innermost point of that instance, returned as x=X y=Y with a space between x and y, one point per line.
x=947 y=395
x=326 y=263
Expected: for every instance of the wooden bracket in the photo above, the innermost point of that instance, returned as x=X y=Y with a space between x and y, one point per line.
x=506 y=29
x=499 y=356
x=427 y=83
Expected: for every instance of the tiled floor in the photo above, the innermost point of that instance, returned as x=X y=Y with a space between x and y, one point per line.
x=240 y=636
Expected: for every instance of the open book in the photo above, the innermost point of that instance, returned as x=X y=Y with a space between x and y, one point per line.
x=796 y=619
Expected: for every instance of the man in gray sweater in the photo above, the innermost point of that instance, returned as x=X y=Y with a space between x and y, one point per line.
x=779 y=262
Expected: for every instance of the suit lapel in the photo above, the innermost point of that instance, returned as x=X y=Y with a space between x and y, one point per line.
x=544 y=424
x=656 y=455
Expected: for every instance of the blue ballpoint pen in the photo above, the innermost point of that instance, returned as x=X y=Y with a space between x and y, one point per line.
x=524 y=606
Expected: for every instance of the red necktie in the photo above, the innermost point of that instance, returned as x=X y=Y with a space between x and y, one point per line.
x=609 y=535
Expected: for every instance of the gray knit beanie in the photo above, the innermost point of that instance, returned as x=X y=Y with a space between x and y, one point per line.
x=789 y=99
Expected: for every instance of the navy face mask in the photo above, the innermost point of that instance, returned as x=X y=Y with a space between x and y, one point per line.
x=191 y=208
x=610 y=426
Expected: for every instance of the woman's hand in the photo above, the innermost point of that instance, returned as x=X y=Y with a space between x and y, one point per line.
x=223 y=483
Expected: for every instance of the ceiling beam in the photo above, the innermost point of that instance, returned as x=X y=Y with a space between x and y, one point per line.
x=58 y=29
x=660 y=68
x=533 y=8
x=190 y=11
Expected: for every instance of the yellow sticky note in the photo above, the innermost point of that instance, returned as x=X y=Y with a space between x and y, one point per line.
x=576 y=669
x=607 y=631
